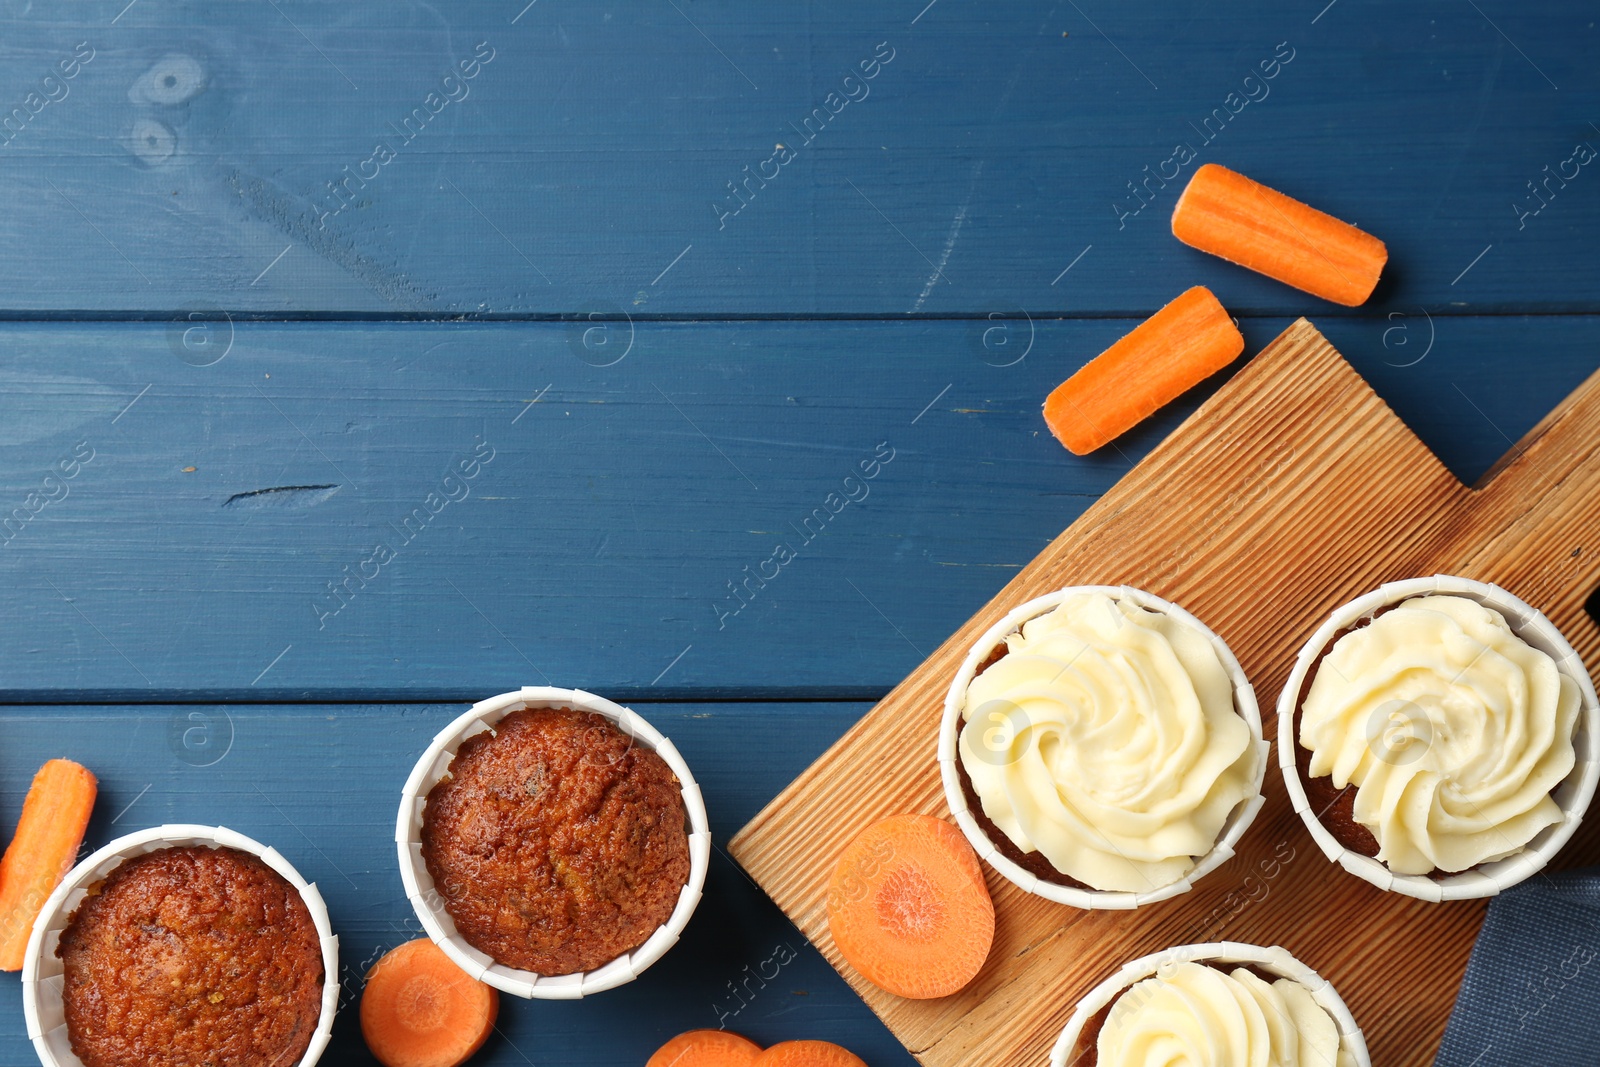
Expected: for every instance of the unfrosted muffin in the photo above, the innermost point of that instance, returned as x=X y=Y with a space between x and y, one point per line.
x=191 y=957
x=557 y=843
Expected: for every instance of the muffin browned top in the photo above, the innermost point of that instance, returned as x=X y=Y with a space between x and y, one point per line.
x=556 y=843
x=189 y=957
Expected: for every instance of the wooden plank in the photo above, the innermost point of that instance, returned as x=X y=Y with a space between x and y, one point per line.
x=1291 y=490
x=597 y=545
x=580 y=168
x=321 y=783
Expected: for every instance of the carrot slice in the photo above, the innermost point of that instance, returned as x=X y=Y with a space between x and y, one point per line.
x=1164 y=357
x=1245 y=222
x=808 y=1054
x=420 y=1010
x=908 y=907
x=706 y=1048
x=54 y=817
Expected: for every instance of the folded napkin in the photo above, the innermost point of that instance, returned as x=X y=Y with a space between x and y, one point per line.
x=1531 y=995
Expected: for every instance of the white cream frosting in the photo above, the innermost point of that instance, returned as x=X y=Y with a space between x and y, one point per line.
x=1107 y=740
x=1192 y=1015
x=1452 y=728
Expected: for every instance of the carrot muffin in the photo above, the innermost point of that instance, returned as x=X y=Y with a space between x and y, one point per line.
x=1451 y=728
x=1201 y=1014
x=1103 y=748
x=557 y=844
x=191 y=957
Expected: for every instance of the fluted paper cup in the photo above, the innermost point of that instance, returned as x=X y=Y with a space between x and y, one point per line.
x=429 y=903
x=1274 y=961
x=1572 y=795
x=42 y=971
x=1244 y=702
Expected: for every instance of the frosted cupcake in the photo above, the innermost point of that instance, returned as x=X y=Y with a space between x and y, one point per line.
x=1212 y=1004
x=1433 y=741
x=1102 y=748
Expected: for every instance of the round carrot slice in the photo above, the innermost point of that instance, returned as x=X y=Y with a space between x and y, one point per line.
x=706 y=1048
x=421 y=1010
x=807 y=1054
x=909 y=909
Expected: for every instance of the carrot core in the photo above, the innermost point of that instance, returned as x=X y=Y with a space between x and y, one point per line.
x=909 y=906
x=419 y=1006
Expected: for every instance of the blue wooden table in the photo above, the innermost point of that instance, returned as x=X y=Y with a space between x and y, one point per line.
x=365 y=360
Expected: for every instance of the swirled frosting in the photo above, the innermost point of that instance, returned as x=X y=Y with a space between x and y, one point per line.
x=1452 y=728
x=1192 y=1015
x=1106 y=739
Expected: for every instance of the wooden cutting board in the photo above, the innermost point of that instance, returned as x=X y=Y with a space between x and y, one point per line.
x=1293 y=489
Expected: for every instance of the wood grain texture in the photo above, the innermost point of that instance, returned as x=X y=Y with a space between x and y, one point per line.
x=984 y=175
x=1291 y=490
x=598 y=543
x=999 y=144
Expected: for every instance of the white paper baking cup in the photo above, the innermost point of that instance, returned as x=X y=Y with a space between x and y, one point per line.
x=1274 y=961
x=42 y=977
x=1244 y=701
x=1572 y=795
x=429 y=904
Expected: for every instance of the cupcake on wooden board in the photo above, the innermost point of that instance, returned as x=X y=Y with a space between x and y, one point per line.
x=1437 y=737
x=1102 y=747
x=182 y=946
x=1204 y=1005
x=556 y=842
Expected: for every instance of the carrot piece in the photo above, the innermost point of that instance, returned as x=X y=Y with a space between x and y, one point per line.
x=420 y=1010
x=908 y=907
x=706 y=1048
x=1245 y=222
x=54 y=817
x=1163 y=357
x=808 y=1054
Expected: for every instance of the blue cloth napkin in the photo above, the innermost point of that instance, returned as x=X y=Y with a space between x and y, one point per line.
x=1531 y=995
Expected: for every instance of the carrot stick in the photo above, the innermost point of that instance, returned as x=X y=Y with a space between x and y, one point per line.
x=908 y=907
x=420 y=1010
x=807 y=1054
x=54 y=817
x=706 y=1048
x=1244 y=222
x=1164 y=357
